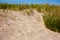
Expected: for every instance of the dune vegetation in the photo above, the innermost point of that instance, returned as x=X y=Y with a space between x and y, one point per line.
x=51 y=13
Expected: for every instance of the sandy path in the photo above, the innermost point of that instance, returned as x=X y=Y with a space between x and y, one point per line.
x=17 y=26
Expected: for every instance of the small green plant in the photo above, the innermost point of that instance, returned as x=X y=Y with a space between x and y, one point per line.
x=29 y=12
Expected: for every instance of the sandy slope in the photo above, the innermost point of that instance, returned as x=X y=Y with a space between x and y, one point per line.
x=16 y=26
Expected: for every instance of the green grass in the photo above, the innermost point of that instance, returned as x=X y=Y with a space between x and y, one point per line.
x=52 y=21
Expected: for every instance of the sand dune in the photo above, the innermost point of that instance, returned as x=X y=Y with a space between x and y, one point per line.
x=16 y=25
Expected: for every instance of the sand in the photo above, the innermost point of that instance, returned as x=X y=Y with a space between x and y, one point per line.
x=16 y=25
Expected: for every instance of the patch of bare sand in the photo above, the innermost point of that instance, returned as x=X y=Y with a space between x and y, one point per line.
x=16 y=26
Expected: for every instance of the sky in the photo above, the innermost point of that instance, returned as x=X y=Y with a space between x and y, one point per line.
x=56 y=2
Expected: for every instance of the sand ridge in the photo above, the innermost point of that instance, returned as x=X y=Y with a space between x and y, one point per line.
x=16 y=26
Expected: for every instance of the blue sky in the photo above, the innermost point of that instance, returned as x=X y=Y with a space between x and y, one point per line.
x=57 y=2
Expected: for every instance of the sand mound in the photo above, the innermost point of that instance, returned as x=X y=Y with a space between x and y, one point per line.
x=16 y=25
